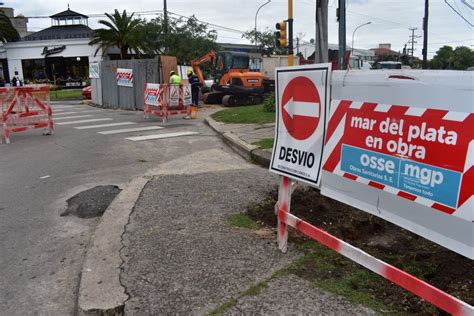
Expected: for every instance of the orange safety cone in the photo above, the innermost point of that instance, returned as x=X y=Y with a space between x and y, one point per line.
x=194 y=111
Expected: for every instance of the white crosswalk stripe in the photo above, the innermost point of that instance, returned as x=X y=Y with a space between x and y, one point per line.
x=130 y=130
x=104 y=125
x=63 y=106
x=64 y=113
x=84 y=121
x=72 y=117
x=76 y=112
x=160 y=136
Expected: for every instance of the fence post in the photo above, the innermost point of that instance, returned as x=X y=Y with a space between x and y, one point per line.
x=285 y=190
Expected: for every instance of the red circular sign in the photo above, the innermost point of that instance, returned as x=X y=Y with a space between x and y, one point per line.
x=301 y=107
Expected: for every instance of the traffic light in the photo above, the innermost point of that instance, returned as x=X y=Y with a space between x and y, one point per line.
x=280 y=34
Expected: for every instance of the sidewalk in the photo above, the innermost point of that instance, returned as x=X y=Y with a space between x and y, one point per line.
x=241 y=137
x=177 y=253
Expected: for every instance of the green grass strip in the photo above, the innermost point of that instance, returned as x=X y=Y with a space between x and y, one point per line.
x=245 y=115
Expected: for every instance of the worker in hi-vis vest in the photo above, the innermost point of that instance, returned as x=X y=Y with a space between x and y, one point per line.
x=174 y=78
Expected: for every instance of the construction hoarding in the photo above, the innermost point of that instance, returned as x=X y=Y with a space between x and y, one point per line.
x=401 y=146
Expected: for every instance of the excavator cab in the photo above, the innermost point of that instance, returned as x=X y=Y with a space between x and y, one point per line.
x=226 y=61
x=233 y=84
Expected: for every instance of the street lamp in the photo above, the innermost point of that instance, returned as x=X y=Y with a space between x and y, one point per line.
x=352 y=48
x=268 y=1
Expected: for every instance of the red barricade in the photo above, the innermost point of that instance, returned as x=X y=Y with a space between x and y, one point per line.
x=25 y=108
x=165 y=100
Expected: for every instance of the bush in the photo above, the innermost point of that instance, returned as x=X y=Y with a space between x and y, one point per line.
x=53 y=87
x=269 y=103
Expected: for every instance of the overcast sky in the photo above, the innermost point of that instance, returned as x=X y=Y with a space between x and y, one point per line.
x=391 y=19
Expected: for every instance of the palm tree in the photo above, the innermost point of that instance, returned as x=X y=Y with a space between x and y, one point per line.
x=122 y=32
x=7 y=31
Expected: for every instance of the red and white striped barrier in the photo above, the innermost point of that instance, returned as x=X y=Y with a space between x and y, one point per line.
x=416 y=286
x=25 y=108
x=336 y=137
x=165 y=100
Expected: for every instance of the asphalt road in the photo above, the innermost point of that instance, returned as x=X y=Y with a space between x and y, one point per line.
x=41 y=253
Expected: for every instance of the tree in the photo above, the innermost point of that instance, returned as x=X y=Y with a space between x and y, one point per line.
x=446 y=57
x=265 y=40
x=121 y=32
x=186 y=39
x=463 y=58
x=7 y=32
x=442 y=59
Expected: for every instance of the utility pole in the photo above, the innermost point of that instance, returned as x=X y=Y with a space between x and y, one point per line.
x=290 y=33
x=425 y=35
x=165 y=15
x=412 y=40
x=321 y=39
x=342 y=33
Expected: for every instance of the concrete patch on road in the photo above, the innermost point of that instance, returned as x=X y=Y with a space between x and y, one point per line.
x=101 y=291
x=92 y=202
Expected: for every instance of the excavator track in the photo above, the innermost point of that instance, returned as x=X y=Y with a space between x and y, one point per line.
x=239 y=100
x=213 y=97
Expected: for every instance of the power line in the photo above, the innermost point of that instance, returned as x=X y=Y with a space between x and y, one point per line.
x=224 y=28
x=458 y=41
x=155 y=12
x=458 y=13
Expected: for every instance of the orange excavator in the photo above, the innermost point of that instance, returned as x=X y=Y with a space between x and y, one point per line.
x=233 y=83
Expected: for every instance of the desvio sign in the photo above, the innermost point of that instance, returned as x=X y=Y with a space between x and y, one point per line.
x=302 y=101
x=411 y=164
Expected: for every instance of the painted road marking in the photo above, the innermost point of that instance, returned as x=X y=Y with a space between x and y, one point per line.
x=76 y=112
x=160 y=136
x=63 y=113
x=104 y=125
x=129 y=130
x=72 y=117
x=85 y=121
x=64 y=106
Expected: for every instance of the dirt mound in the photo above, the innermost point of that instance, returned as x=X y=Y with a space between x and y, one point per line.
x=430 y=262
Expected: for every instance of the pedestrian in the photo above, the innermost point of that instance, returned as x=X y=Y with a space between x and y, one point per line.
x=174 y=78
x=14 y=81
x=194 y=82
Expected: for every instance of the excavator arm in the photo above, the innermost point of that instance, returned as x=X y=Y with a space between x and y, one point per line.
x=196 y=63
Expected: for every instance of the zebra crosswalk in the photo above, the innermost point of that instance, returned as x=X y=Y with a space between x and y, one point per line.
x=84 y=118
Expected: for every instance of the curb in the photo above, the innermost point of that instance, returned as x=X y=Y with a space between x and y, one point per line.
x=100 y=289
x=246 y=150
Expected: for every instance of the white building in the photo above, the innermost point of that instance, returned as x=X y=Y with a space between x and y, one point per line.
x=59 y=54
